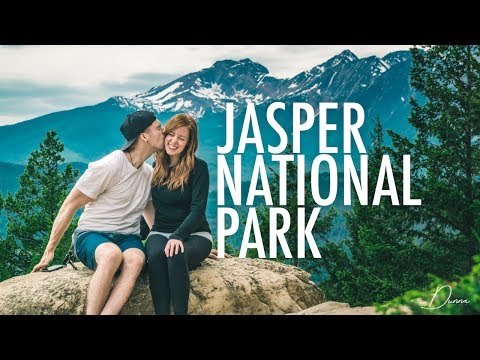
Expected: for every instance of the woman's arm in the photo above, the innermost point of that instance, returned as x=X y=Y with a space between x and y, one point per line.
x=200 y=185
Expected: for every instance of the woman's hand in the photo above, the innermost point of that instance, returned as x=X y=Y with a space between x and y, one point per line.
x=172 y=246
x=214 y=254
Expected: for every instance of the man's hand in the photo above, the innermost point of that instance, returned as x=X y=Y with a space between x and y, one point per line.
x=214 y=255
x=74 y=201
x=172 y=246
x=46 y=258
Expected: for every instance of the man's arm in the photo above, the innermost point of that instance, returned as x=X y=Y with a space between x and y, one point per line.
x=149 y=214
x=74 y=201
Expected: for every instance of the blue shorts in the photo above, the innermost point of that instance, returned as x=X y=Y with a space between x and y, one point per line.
x=86 y=242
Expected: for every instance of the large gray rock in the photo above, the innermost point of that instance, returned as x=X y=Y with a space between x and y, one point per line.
x=228 y=286
x=337 y=308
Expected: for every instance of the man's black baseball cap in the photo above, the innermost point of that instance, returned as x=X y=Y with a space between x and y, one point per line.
x=134 y=124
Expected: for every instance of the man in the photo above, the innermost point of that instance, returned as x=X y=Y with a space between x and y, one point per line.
x=114 y=191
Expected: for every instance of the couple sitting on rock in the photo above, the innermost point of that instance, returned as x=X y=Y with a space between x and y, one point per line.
x=116 y=190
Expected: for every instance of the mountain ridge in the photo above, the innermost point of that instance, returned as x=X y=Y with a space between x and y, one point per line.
x=381 y=85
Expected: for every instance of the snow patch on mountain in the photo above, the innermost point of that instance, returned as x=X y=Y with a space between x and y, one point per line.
x=214 y=92
x=244 y=81
x=160 y=96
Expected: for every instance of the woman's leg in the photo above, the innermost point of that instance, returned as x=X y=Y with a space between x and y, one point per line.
x=158 y=273
x=196 y=249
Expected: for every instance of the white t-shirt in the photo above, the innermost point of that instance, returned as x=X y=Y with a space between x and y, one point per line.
x=120 y=192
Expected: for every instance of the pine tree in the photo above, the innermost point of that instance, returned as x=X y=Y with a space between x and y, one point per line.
x=380 y=259
x=392 y=249
x=7 y=253
x=32 y=210
x=446 y=153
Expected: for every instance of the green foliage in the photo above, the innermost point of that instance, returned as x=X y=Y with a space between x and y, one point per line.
x=446 y=154
x=460 y=297
x=229 y=249
x=8 y=254
x=379 y=260
x=391 y=249
x=7 y=249
x=33 y=208
x=322 y=226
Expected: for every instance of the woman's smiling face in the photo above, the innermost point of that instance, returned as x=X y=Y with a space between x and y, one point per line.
x=176 y=141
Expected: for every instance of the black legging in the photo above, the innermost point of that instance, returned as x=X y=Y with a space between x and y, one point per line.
x=168 y=276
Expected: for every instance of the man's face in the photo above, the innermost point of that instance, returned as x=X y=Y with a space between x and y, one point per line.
x=156 y=138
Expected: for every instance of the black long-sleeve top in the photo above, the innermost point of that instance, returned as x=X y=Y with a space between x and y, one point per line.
x=183 y=212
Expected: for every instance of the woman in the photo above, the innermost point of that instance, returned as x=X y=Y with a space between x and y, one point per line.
x=180 y=238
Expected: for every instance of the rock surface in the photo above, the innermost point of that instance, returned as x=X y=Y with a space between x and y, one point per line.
x=337 y=308
x=228 y=286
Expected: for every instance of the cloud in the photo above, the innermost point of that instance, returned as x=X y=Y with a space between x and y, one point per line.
x=285 y=61
x=13 y=46
x=24 y=100
x=137 y=83
x=39 y=79
x=24 y=88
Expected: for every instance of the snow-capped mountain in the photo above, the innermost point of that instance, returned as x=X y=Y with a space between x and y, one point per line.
x=381 y=85
x=339 y=79
x=206 y=90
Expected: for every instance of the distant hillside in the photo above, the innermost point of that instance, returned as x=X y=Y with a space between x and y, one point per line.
x=9 y=176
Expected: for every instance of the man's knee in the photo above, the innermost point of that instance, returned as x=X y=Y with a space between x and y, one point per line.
x=133 y=259
x=108 y=254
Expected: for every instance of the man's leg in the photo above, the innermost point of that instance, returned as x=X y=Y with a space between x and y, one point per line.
x=132 y=264
x=108 y=258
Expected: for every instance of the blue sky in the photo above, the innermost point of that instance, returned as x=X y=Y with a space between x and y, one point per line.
x=39 y=79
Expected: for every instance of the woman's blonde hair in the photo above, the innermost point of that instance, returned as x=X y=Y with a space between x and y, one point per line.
x=176 y=176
